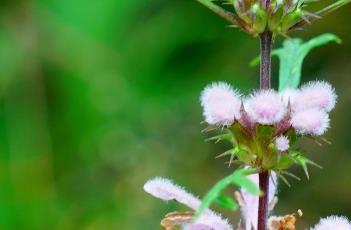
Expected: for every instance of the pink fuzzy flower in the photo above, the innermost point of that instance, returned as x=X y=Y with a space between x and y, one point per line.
x=221 y=104
x=265 y=107
x=282 y=143
x=333 y=223
x=316 y=94
x=165 y=189
x=210 y=222
x=310 y=121
x=250 y=202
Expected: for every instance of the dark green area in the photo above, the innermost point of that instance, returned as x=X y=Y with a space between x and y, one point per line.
x=98 y=96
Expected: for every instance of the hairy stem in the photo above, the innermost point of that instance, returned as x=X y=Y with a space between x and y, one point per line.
x=263 y=201
x=266 y=39
x=265 y=70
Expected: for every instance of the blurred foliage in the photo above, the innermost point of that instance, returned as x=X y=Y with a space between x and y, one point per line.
x=98 y=96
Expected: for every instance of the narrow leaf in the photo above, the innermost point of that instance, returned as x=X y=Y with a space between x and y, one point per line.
x=226 y=202
x=213 y=194
x=237 y=178
x=240 y=179
x=291 y=57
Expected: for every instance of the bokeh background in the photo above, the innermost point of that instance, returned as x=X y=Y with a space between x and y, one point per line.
x=96 y=97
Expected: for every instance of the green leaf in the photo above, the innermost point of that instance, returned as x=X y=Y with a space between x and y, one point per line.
x=240 y=179
x=226 y=202
x=291 y=57
x=237 y=178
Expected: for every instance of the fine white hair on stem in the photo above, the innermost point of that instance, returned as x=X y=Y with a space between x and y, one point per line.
x=221 y=104
x=265 y=107
x=250 y=202
x=333 y=223
x=310 y=121
x=315 y=94
x=166 y=190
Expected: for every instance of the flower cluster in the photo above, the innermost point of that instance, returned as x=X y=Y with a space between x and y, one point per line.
x=267 y=123
x=276 y=16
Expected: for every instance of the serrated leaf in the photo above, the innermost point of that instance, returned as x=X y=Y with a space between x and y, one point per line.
x=291 y=57
x=226 y=202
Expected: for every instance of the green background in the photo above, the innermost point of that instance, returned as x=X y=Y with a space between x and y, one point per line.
x=98 y=96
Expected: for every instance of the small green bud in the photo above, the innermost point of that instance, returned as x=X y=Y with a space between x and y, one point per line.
x=275 y=20
x=260 y=21
x=291 y=19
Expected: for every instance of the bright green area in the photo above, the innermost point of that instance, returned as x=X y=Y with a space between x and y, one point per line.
x=98 y=96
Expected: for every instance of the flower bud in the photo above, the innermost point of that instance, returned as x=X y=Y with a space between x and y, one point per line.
x=282 y=143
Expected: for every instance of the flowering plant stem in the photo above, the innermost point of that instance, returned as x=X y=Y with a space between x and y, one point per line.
x=265 y=71
x=263 y=200
x=266 y=39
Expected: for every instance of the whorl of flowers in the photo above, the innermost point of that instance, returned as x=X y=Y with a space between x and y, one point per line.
x=307 y=108
x=266 y=123
x=333 y=223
